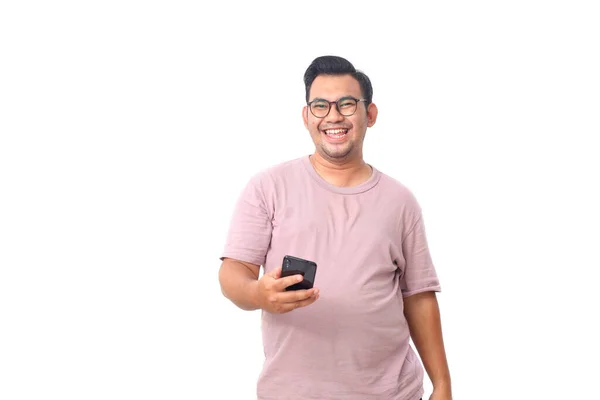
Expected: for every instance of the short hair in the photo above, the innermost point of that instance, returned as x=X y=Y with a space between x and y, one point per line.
x=334 y=65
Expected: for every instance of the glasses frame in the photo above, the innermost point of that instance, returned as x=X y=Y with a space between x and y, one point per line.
x=337 y=105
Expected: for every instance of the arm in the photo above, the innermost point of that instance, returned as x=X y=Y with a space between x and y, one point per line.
x=239 y=283
x=248 y=239
x=423 y=316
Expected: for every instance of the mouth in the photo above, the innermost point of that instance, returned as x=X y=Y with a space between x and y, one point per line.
x=335 y=134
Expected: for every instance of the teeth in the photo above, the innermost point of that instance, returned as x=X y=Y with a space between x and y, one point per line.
x=335 y=131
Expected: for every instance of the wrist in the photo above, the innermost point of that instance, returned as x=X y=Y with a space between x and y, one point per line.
x=254 y=295
x=443 y=385
x=444 y=391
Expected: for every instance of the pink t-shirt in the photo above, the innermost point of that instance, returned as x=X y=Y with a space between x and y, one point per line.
x=371 y=250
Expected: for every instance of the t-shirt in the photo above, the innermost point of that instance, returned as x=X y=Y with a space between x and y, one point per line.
x=370 y=247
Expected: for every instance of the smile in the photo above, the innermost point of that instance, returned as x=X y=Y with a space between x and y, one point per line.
x=335 y=133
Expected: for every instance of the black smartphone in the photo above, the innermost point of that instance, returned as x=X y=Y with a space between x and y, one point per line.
x=294 y=265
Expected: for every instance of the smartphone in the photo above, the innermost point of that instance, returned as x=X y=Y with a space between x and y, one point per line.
x=294 y=265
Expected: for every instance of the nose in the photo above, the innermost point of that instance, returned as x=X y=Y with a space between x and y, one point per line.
x=334 y=114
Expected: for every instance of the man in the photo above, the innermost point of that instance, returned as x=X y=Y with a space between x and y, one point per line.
x=348 y=336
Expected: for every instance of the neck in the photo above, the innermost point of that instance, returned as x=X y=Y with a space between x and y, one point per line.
x=345 y=173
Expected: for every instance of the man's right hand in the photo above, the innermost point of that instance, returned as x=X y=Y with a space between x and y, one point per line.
x=273 y=297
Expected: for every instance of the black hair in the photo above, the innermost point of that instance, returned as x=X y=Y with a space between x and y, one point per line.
x=334 y=65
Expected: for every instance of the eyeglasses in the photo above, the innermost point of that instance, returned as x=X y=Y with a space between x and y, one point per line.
x=346 y=106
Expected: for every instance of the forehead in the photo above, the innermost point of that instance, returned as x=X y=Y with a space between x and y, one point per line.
x=332 y=87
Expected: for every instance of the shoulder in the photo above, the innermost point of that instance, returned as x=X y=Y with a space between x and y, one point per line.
x=283 y=168
x=268 y=177
x=398 y=191
x=400 y=202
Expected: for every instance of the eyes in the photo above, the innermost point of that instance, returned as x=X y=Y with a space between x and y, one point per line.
x=345 y=106
x=346 y=102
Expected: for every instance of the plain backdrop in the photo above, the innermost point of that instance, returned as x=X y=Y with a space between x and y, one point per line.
x=128 y=129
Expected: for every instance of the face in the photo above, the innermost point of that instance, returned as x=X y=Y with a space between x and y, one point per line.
x=338 y=138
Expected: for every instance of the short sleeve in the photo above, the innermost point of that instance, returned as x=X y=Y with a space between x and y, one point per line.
x=419 y=272
x=249 y=233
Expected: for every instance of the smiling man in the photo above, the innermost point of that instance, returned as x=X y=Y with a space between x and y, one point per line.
x=348 y=337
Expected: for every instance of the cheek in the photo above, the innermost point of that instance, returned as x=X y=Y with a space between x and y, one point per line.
x=359 y=124
x=314 y=127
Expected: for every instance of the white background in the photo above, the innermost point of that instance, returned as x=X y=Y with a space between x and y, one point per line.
x=129 y=128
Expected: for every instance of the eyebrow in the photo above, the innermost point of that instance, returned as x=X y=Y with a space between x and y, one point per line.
x=343 y=97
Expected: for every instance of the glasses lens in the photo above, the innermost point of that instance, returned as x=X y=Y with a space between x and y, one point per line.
x=319 y=108
x=347 y=106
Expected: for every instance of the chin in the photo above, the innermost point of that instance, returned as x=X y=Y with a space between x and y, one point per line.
x=337 y=153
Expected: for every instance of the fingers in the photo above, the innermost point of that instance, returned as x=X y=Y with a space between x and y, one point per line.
x=302 y=303
x=275 y=282
x=282 y=283
x=276 y=299
x=294 y=296
x=296 y=299
x=275 y=273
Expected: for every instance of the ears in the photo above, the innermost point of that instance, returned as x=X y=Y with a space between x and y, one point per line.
x=371 y=115
x=305 y=116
